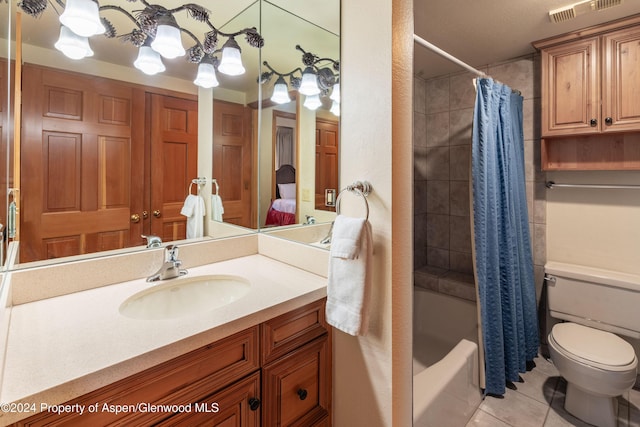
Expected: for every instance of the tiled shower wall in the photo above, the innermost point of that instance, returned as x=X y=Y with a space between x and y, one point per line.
x=443 y=117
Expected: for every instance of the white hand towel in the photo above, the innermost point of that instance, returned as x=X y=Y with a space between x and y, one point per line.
x=216 y=207
x=349 y=283
x=194 y=210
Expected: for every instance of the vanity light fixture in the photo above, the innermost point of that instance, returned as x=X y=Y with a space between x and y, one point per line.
x=72 y=45
x=156 y=29
x=319 y=78
x=148 y=61
x=335 y=108
x=206 y=77
x=312 y=102
x=82 y=17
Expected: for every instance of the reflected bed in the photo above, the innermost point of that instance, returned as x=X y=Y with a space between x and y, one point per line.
x=282 y=210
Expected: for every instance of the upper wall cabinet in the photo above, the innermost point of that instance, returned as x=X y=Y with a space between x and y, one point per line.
x=590 y=89
x=592 y=85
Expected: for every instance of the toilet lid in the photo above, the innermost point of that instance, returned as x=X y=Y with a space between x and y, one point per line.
x=593 y=345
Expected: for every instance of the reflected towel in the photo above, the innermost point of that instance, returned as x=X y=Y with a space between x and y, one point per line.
x=350 y=275
x=216 y=208
x=194 y=210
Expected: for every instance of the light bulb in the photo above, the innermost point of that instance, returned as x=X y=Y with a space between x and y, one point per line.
x=149 y=61
x=309 y=83
x=82 y=17
x=312 y=102
x=335 y=94
x=280 y=92
x=206 y=77
x=72 y=45
x=335 y=108
x=168 y=41
x=231 y=61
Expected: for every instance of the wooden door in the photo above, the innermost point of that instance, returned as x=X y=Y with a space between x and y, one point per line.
x=327 y=141
x=78 y=183
x=570 y=88
x=621 y=81
x=174 y=162
x=232 y=160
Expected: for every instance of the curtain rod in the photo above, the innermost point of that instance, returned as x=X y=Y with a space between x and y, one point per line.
x=446 y=55
x=551 y=184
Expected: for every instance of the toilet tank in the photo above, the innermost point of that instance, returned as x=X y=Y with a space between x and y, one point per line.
x=603 y=299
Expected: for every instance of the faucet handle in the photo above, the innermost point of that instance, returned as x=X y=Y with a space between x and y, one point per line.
x=152 y=241
x=172 y=253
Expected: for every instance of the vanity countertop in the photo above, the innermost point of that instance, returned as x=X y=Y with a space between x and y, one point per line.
x=63 y=347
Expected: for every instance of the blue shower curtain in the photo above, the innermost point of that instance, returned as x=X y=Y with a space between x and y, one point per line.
x=503 y=260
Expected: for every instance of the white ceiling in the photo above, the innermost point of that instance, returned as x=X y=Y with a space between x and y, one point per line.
x=481 y=32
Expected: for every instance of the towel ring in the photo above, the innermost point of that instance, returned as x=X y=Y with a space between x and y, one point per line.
x=362 y=189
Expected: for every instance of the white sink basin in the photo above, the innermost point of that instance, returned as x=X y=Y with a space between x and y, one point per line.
x=185 y=296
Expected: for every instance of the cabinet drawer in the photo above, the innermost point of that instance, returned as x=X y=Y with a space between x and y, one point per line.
x=285 y=333
x=228 y=407
x=182 y=380
x=296 y=388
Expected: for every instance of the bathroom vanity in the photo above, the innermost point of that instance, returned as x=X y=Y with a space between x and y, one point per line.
x=263 y=359
x=221 y=382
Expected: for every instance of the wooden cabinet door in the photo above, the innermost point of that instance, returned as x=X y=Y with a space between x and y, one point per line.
x=235 y=406
x=78 y=183
x=174 y=162
x=232 y=160
x=570 y=89
x=327 y=139
x=296 y=389
x=621 y=81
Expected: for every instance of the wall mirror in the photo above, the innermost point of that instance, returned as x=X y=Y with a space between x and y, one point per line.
x=299 y=134
x=229 y=138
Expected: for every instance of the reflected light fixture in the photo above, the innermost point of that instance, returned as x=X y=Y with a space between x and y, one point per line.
x=206 y=77
x=335 y=108
x=312 y=102
x=156 y=30
x=168 y=41
x=280 y=92
x=320 y=77
x=72 y=45
x=231 y=62
x=82 y=17
x=148 y=60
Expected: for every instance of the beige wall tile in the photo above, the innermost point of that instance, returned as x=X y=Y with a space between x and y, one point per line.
x=437 y=125
x=437 y=95
x=438 y=197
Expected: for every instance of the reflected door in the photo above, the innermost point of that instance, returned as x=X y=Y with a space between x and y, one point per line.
x=327 y=137
x=232 y=160
x=174 y=163
x=78 y=185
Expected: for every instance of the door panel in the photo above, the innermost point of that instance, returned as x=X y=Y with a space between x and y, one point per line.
x=327 y=137
x=77 y=153
x=174 y=149
x=232 y=160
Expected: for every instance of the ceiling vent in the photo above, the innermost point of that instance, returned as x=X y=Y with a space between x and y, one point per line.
x=605 y=4
x=569 y=12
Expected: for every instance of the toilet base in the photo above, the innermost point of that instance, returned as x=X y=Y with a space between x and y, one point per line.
x=601 y=411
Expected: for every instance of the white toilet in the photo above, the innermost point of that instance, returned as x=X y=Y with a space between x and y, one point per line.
x=598 y=365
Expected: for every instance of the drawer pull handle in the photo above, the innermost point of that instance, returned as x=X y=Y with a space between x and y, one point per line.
x=302 y=394
x=593 y=123
x=608 y=120
x=254 y=403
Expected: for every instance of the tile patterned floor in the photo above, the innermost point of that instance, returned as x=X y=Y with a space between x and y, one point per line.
x=539 y=402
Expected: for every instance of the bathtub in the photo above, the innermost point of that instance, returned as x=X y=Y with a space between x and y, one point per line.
x=446 y=390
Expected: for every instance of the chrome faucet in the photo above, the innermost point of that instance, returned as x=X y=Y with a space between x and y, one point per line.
x=310 y=220
x=170 y=269
x=153 y=241
x=327 y=239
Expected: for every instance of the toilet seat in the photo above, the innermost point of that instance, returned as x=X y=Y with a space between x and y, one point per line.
x=593 y=347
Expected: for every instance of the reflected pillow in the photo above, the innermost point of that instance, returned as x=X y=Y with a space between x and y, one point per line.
x=287 y=191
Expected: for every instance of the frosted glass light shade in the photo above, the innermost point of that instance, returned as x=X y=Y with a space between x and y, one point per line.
x=312 y=102
x=82 y=17
x=335 y=108
x=309 y=83
x=72 y=45
x=335 y=94
x=168 y=42
x=280 y=92
x=149 y=61
x=231 y=61
x=206 y=77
